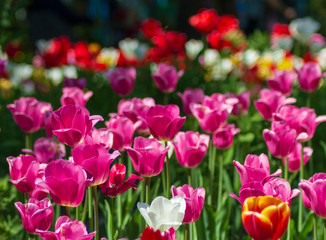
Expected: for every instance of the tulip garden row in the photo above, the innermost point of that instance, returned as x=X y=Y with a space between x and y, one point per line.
x=164 y=138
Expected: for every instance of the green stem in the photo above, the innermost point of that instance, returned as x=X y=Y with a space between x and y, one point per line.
x=96 y=223
x=57 y=211
x=85 y=208
x=129 y=170
x=211 y=168
x=166 y=99
x=164 y=181
x=286 y=169
x=220 y=182
x=28 y=141
x=119 y=210
x=315 y=227
x=77 y=212
x=300 y=200
x=90 y=209
x=324 y=229
x=187 y=232
x=148 y=185
x=109 y=225
x=68 y=211
x=189 y=176
x=168 y=177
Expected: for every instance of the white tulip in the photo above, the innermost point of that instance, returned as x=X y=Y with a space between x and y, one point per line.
x=163 y=213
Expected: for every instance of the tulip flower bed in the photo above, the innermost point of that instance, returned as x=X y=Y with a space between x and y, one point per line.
x=166 y=138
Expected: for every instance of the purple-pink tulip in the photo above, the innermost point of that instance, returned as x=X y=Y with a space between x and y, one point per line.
x=75 y=96
x=95 y=159
x=166 y=77
x=223 y=136
x=102 y=136
x=66 y=182
x=122 y=80
x=23 y=171
x=189 y=96
x=270 y=101
x=294 y=158
x=240 y=108
x=36 y=215
x=66 y=228
x=147 y=156
x=116 y=185
x=72 y=123
x=282 y=81
x=190 y=148
x=194 y=198
x=123 y=130
x=303 y=120
x=309 y=76
x=29 y=114
x=75 y=82
x=255 y=169
x=313 y=193
x=164 y=122
x=134 y=109
x=280 y=143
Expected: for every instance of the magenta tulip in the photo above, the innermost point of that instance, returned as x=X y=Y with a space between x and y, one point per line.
x=123 y=130
x=270 y=101
x=115 y=186
x=72 y=123
x=313 y=193
x=166 y=77
x=223 y=137
x=194 y=201
x=255 y=169
x=190 y=148
x=122 y=80
x=102 y=136
x=189 y=96
x=23 y=171
x=280 y=143
x=75 y=96
x=294 y=158
x=66 y=228
x=66 y=182
x=147 y=156
x=29 y=114
x=164 y=122
x=135 y=108
x=75 y=82
x=303 y=120
x=309 y=76
x=95 y=159
x=282 y=81
x=36 y=215
x=240 y=108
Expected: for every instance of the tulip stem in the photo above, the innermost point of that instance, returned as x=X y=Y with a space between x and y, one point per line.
x=187 y=232
x=220 y=182
x=211 y=166
x=90 y=209
x=57 y=211
x=286 y=169
x=130 y=167
x=315 y=227
x=77 y=212
x=189 y=176
x=148 y=185
x=96 y=223
x=28 y=141
x=168 y=177
x=68 y=211
x=85 y=209
x=300 y=200
x=324 y=229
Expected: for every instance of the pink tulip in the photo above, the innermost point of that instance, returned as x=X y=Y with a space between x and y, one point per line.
x=223 y=137
x=147 y=156
x=66 y=182
x=36 y=215
x=123 y=130
x=122 y=80
x=240 y=108
x=303 y=120
x=39 y=193
x=189 y=96
x=190 y=148
x=75 y=82
x=150 y=234
x=29 y=113
x=66 y=228
x=270 y=101
x=276 y=187
x=194 y=201
x=280 y=143
x=164 y=122
x=75 y=96
x=23 y=171
x=115 y=186
x=309 y=76
x=46 y=150
x=102 y=136
x=294 y=158
x=135 y=108
x=72 y=123
x=282 y=81
x=166 y=77
x=95 y=159
x=313 y=194
x=255 y=168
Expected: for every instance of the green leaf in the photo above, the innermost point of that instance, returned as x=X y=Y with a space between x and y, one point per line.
x=307 y=226
x=246 y=138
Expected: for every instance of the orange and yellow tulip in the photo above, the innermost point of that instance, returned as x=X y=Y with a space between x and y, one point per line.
x=265 y=217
